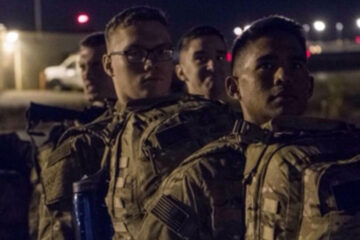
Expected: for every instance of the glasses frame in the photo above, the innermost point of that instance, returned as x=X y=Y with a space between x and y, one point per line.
x=144 y=58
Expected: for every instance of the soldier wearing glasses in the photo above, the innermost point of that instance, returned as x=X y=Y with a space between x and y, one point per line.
x=140 y=61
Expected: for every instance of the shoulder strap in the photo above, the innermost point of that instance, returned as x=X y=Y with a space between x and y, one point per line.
x=113 y=129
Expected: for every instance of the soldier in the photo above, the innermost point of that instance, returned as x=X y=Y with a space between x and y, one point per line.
x=98 y=87
x=203 y=198
x=157 y=129
x=202 y=65
x=53 y=220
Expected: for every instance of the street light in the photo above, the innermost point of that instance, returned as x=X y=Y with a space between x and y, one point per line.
x=339 y=29
x=339 y=26
x=10 y=41
x=319 y=26
x=12 y=45
x=12 y=36
x=358 y=22
x=238 y=31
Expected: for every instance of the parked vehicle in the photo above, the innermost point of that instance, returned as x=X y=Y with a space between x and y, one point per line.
x=66 y=75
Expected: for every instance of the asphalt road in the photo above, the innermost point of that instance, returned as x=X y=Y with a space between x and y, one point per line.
x=13 y=105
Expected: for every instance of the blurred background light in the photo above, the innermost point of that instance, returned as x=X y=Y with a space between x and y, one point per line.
x=339 y=26
x=319 y=26
x=238 y=31
x=83 y=18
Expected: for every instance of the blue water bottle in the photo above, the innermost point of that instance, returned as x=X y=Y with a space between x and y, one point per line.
x=91 y=219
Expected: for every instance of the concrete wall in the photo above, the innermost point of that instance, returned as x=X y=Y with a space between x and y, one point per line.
x=36 y=51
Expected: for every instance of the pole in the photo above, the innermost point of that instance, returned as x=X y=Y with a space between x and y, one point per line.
x=37 y=15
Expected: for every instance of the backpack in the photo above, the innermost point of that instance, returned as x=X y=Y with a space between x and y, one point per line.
x=303 y=182
x=152 y=143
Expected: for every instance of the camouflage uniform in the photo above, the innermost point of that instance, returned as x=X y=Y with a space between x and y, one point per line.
x=78 y=152
x=152 y=142
x=15 y=156
x=286 y=190
x=203 y=197
x=303 y=183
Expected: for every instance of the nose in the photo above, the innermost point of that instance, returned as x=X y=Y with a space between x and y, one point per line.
x=148 y=64
x=281 y=76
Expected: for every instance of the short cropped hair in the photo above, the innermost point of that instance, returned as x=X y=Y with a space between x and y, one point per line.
x=133 y=15
x=93 y=40
x=197 y=32
x=264 y=27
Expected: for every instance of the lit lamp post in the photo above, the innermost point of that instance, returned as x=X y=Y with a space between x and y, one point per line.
x=339 y=30
x=357 y=37
x=2 y=56
x=12 y=45
x=319 y=26
x=358 y=22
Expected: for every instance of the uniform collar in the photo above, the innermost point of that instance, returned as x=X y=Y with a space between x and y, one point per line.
x=140 y=104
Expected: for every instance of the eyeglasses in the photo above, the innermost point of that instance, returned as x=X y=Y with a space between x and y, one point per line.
x=139 y=55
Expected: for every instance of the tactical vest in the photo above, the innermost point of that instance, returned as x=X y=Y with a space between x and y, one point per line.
x=153 y=142
x=303 y=183
x=203 y=197
x=68 y=163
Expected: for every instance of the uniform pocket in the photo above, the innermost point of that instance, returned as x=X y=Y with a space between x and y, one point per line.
x=61 y=171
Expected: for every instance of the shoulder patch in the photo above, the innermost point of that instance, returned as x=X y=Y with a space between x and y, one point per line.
x=174 y=216
x=61 y=152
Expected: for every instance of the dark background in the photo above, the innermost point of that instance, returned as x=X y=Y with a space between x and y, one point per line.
x=60 y=15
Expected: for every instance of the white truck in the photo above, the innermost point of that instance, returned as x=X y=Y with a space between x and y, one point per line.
x=66 y=75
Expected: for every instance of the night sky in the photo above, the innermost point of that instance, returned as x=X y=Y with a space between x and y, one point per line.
x=60 y=15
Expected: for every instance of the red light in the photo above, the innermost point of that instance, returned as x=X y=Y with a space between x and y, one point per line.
x=357 y=39
x=83 y=18
x=308 y=53
x=228 y=57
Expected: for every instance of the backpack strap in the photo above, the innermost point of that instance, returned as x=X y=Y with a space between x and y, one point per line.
x=250 y=133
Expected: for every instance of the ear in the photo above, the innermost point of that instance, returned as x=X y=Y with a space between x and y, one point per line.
x=106 y=60
x=180 y=73
x=231 y=86
x=311 y=87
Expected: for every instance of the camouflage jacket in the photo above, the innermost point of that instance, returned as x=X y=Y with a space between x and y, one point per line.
x=203 y=197
x=303 y=182
x=154 y=140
